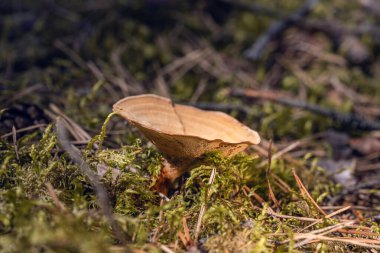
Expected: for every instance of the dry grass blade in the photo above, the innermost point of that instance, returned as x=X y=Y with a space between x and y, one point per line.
x=306 y=193
x=193 y=57
x=166 y=249
x=327 y=217
x=128 y=84
x=284 y=216
x=14 y=137
x=318 y=235
x=366 y=243
x=269 y=210
x=54 y=197
x=279 y=182
x=72 y=54
x=203 y=208
x=286 y=150
x=24 y=130
x=182 y=238
x=185 y=237
x=162 y=86
x=281 y=153
x=338 y=212
x=186 y=230
x=309 y=237
x=358 y=232
x=75 y=130
x=198 y=91
x=25 y=92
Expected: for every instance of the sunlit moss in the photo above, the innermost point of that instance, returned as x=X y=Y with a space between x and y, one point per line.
x=232 y=217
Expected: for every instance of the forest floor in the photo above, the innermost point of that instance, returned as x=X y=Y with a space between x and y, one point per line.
x=303 y=74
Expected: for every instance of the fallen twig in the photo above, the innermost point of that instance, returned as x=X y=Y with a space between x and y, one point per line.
x=100 y=191
x=347 y=121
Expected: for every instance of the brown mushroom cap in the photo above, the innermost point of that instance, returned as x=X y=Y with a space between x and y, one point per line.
x=181 y=131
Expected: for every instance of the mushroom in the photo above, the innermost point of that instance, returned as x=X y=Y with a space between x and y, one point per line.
x=183 y=133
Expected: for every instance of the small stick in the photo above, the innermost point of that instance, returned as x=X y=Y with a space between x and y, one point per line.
x=352 y=121
x=203 y=208
x=100 y=191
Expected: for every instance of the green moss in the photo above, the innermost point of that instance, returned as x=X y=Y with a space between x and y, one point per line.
x=28 y=211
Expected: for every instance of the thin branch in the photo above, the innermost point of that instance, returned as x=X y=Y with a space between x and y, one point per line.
x=347 y=121
x=100 y=191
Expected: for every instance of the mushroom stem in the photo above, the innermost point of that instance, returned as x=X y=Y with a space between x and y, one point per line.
x=170 y=171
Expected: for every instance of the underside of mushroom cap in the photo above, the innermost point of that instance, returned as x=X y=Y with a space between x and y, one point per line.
x=185 y=131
